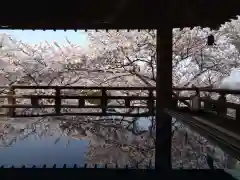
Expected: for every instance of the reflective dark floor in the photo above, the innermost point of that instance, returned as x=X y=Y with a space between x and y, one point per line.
x=32 y=141
x=35 y=151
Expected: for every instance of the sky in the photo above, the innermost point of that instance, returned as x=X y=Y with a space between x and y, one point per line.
x=35 y=37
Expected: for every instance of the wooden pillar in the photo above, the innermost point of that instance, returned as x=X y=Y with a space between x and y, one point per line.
x=164 y=98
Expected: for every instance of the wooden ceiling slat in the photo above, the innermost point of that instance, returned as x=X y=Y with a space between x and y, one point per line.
x=141 y=14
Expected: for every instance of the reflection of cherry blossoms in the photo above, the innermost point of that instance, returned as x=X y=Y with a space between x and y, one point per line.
x=110 y=143
x=190 y=150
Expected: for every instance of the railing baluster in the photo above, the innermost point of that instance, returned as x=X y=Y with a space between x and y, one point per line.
x=195 y=103
x=104 y=100
x=221 y=107
x=127 y=102
x=34 y=101
x=58 y=100
x=207 y=105
x=81 y=102
x=11 y=101
x=150 y=103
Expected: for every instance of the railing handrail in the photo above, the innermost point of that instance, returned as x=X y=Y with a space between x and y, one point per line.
x=208 y=89
x=79 y=87
x=203 y=89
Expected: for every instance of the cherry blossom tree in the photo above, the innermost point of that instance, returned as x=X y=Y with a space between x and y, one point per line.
x=51 y=64
x=131 y=57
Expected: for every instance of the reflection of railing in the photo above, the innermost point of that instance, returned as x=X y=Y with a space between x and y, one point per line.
x=58 y=97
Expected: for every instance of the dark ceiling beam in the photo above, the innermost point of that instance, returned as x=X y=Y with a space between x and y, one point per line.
x=93 y=14
x=119 y=10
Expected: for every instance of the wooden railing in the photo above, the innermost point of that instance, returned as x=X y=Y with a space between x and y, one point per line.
x=58 y=97
x=206 y=103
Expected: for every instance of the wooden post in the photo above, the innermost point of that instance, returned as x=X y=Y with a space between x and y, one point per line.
x=11 y=101
x=207 y=105
x=195 y=103
x=221 y=108
x=58 y=100
x=164 y=98
x=150 y=103
x=34 y=101
x=127 y=102
x=81 y=102
x=104 y=100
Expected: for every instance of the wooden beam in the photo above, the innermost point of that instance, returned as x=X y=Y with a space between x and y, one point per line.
x=121 y=6
x=164 y=97
x=185 y=13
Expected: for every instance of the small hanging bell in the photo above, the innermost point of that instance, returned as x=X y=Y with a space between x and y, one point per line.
x=210 y=40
